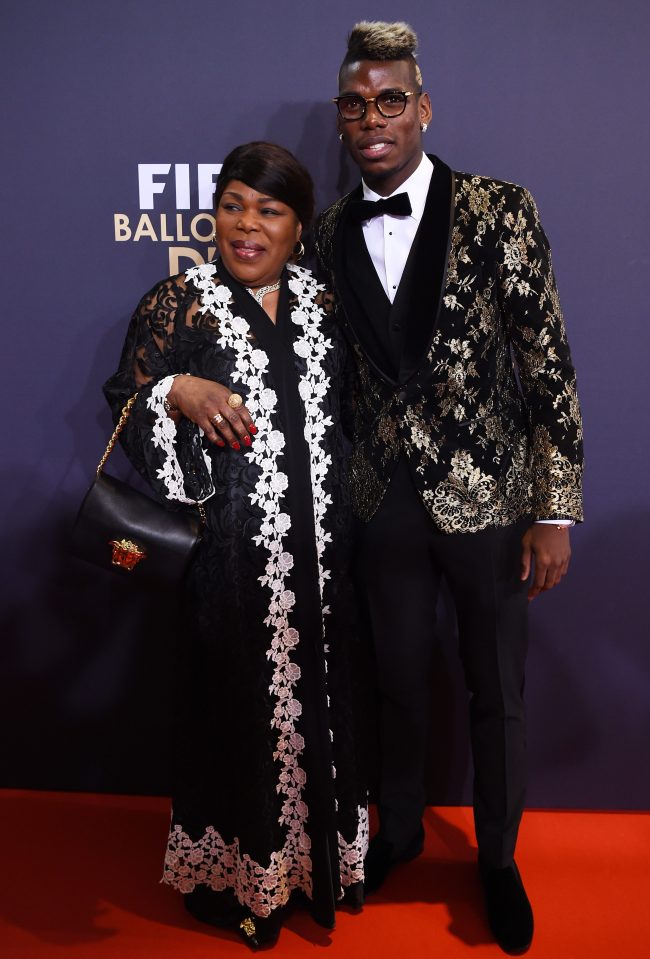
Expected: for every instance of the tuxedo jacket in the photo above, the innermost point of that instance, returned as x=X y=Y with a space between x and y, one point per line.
x=468 y=374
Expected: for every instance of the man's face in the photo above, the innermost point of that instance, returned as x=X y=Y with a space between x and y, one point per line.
x=387 y=151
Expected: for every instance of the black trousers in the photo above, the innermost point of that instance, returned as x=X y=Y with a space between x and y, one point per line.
x=402 y=558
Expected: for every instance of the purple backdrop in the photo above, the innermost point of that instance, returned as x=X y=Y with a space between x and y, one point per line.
x=545 y=94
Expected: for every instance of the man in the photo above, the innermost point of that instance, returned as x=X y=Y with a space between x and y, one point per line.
x=467 y=452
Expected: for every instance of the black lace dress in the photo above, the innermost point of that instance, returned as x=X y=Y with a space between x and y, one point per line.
x=268 y=800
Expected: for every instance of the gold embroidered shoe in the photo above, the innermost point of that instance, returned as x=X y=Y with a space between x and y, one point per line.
x=258 y=932
x=248 y=932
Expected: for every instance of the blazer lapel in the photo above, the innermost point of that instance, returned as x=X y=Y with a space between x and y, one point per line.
x=420 y=293
x=355 y=302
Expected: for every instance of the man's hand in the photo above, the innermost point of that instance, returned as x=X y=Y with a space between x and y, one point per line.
x=551 y=548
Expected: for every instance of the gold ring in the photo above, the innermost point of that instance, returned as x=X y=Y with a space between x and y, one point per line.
x=218 y=418
x=235 y=401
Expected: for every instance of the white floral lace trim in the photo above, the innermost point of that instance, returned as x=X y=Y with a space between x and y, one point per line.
x=211 y=860
x=220 y=865
x=312 y=347
x=352 y=854
x=164 y=438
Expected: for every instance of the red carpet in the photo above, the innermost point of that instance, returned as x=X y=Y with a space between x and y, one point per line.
x=80 y=879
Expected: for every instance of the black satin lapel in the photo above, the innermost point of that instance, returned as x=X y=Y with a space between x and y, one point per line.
x=340 y=278
x=353 y=305
x=426 y=270
x=367 y=285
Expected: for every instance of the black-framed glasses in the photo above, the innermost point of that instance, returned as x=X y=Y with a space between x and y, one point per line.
x=390 y=103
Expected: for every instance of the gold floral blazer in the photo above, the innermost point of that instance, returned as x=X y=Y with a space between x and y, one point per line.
x=483 y=403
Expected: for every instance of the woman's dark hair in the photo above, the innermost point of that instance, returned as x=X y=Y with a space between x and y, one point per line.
x=273 y=171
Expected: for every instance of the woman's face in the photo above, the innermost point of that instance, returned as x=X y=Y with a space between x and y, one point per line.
x=256 y=234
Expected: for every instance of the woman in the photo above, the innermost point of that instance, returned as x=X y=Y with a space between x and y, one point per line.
x=267 y=802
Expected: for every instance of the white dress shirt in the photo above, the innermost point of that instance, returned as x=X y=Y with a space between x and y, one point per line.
x=389 y=239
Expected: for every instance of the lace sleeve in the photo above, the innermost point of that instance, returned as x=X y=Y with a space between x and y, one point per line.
x=170 y=457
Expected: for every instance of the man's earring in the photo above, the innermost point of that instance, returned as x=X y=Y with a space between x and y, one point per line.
x=424 y=127
x=341 y=137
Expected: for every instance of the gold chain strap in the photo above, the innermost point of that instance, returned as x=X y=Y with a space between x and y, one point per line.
x=124 y=415
x=116 y=432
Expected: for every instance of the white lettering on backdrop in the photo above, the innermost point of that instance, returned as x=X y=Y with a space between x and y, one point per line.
x=156 y=184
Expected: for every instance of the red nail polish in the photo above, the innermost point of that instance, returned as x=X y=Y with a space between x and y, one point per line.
x=247 y=441
x=235 y=445
x=252 y=429
x=220 y=443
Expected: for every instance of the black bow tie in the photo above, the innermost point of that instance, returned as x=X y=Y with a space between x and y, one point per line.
x=398 y=205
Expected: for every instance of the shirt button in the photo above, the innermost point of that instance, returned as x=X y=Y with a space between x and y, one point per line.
x=396 y=327
x=401 y=396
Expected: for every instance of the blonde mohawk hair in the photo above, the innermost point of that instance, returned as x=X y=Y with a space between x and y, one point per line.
x=377 y=40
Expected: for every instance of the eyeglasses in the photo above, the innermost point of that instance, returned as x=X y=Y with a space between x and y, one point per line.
x=391 y=103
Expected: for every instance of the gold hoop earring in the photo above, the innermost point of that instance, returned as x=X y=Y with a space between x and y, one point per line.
x=298 y=251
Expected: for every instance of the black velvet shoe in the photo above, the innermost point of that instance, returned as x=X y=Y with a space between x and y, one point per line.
x=382 y=856
x=508 y=910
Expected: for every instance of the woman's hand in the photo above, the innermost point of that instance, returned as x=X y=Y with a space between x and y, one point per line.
x=202 y=400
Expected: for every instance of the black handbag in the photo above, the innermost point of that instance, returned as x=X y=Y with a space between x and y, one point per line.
x=121 y=529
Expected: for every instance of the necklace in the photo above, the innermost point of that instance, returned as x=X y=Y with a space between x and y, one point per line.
x=263 y=290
